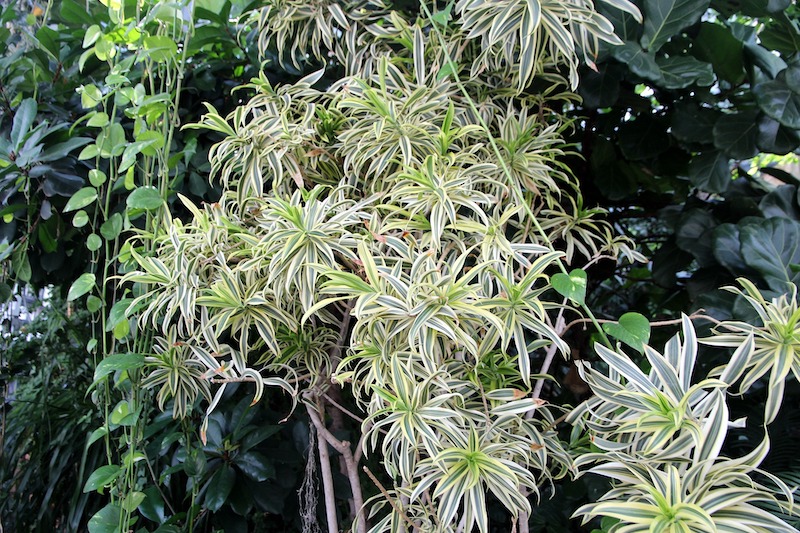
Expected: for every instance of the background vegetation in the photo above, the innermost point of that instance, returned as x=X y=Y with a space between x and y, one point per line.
x=244 y=211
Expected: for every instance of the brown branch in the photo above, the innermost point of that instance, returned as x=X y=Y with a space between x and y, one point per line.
x=658 y=323
x=327 y=476
x=388 y=497
x=343 y=447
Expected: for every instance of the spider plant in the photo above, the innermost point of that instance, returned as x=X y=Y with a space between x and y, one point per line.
x=776 y=344
x=659 y=416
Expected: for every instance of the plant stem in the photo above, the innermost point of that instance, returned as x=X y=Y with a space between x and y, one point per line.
x=325 y=468
x=343 y=447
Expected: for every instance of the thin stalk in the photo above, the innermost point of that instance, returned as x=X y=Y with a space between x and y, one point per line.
x=327 y=476
x=343 y=447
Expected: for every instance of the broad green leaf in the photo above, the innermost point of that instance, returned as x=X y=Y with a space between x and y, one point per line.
x=93 y=303
x=89 y=152
x=663 y=19
x=91 y=35
x=111 y=140
x=23 y=122
x=781 y=34
x=93 y=242
x=716 y=44
x=61 y=150
x=638 y=60
x=132 y=500
x=84 y=284
x=726 y=245
x=96 y=435
x=153 y=507
x=118 y=313
x=632 y=328
x=106 y=520
x=771 y=246
x=121 y=415
x=147 y=198
x=80 y=219
x=764 y=59
x=105 y=48
x=710 y=172
x=81 y=199
x=775 y=138
x=97 y=177
x=572 y=285
x=781 y=202
x=160 y=48
x=691 y=123
x=103 y=476
x=111 y=228
x=779 y=101
x=115 y=362
x=255 y=466
x=98 y=120
x=219 y=487
x=90 y=96
x=693 y=234
x=736 y=134
x=679 y=72
x=21 y=263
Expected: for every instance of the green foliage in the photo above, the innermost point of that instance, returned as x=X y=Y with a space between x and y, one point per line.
x=405 y=237
x=46 y=422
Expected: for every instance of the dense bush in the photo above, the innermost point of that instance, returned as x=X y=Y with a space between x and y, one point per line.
x=413 y=214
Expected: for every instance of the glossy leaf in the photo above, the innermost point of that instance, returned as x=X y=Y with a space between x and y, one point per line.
x=102 y=477
x=106 y=520
x=710 y=172
x=219 y=487
x=81 y=199
x=83 y=285
x=255 y=465
x=117 y=362
x=770 y=247
x=665 y=18
x=779 y=101
x=147 y=198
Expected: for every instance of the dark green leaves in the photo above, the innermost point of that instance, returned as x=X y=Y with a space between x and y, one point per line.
x=779 y=101
x=691 y=123
x=736 y=134
x=716 y=44
x=638 y=60
x=665 y=18
x=255 y=466
x=710 y=172
x=679 y=72
x=219 y=487
x=23 y=120
x=771 y=246
x=643 y=138
x=774 y=137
